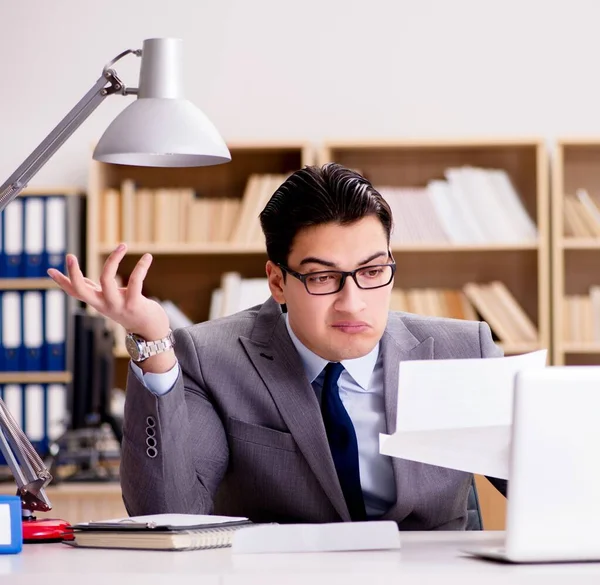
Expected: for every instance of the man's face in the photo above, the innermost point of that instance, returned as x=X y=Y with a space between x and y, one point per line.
x=343 y=325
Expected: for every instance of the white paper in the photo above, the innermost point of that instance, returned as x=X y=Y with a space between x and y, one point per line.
x=482 y=450
x=458 y=413
x=338 y=536
x=176 y=520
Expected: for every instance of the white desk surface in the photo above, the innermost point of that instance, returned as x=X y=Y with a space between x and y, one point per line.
x=425 y=557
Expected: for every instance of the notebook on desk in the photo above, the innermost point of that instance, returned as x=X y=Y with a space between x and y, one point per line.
x=159 y=532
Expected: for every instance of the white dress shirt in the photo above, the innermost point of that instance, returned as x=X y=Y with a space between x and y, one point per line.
x=361 y=392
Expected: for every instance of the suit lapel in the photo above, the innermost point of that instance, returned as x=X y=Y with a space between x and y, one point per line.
x=277 y=362
x=398 y=344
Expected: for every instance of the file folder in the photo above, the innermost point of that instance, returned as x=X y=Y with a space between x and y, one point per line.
x=13 y=398
x=34 y=237
x=33 y=323
x=13 y=239
x=55 y=330
x=56 y=232
x=56 y=411
x=35 y=415
x=12 y=344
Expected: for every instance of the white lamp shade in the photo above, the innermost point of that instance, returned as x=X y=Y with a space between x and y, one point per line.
x=162 y=132
x=161 y=128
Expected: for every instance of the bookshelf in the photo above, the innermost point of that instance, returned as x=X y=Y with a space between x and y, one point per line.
x=523 y=266
x=37 y=317
x=186 y=272
x=575 y=252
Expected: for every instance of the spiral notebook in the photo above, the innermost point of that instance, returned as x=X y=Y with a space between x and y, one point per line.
x=159 y=532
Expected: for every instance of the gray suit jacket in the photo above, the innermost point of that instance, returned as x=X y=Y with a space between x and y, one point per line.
x=241 y=432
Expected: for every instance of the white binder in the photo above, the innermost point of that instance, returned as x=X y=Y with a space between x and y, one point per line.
x=13 y=398
x=34 y=412
x=55 y=329
x=13 y=238
x=33 y=329
x=34 y=236
x=56 y=396
x=11 y=330
x=56 y=231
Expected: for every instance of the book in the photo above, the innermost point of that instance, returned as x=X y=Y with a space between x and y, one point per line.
x=159 y=532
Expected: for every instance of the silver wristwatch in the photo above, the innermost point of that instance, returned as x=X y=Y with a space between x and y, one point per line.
x=139 y=349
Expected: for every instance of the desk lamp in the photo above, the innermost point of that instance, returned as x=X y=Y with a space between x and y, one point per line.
x=159 y=129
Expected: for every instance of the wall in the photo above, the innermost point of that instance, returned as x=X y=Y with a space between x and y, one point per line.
x=310 y=69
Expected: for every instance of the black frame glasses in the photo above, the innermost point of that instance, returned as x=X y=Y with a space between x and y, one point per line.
x=344 y=275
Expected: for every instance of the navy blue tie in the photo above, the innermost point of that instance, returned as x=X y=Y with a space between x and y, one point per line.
x=342 y=441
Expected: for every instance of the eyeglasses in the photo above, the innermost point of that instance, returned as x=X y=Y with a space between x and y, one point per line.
x=329 y=282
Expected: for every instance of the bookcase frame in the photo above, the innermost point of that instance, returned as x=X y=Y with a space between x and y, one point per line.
x=575 y=261
x=45 y=283
x=411 y=163
x=188 y=273
x=524 y=268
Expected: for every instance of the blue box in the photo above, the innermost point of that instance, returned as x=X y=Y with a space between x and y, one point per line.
x=11 y=525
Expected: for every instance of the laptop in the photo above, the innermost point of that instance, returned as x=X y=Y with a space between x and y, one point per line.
x=553 y=507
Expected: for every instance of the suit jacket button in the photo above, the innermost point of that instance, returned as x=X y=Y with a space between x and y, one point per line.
x=150 y=431
x=151 y=452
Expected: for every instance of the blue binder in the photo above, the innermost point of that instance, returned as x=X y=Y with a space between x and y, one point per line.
x=11 y=524
x=12 y=331
x=33 y=329
x=12 y=232
x=35 y=416
x=55 y=311
x=33 y=237
x=55 y=247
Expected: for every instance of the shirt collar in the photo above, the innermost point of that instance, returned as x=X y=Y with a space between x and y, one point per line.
x=361 y=369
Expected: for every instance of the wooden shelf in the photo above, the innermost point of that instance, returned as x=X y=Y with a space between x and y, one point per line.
x=185 y=249
x=579 y=347
x=524 y=268
x=35 y=377
x=187 y=273
x=451 y=248
x=27 y=283
x=236 y=249
x=580 y=244
x=576 y=165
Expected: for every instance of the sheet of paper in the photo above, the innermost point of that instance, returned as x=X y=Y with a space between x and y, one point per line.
x=448 y=394
x=337 y=536
x=458 y=413
x=482 y=450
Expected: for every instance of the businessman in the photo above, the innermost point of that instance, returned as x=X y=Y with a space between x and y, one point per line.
x=274 y=413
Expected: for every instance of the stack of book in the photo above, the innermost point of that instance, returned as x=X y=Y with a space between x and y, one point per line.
x=175 y=216
x=581 y=317
x=159 y=532
x=493 y=302
x=581 y=215
x=471 y=206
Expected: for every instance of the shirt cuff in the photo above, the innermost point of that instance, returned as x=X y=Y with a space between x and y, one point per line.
x=158 y=384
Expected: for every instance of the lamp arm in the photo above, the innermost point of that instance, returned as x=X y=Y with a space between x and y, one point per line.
x=26 y=466
x=108 y=84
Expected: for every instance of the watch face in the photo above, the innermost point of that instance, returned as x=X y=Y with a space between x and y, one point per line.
x=132 y=348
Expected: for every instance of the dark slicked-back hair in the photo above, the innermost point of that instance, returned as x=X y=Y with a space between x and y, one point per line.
x=318 y=195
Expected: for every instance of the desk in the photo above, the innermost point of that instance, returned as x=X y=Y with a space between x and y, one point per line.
x=80 y=502
x=425 y=557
